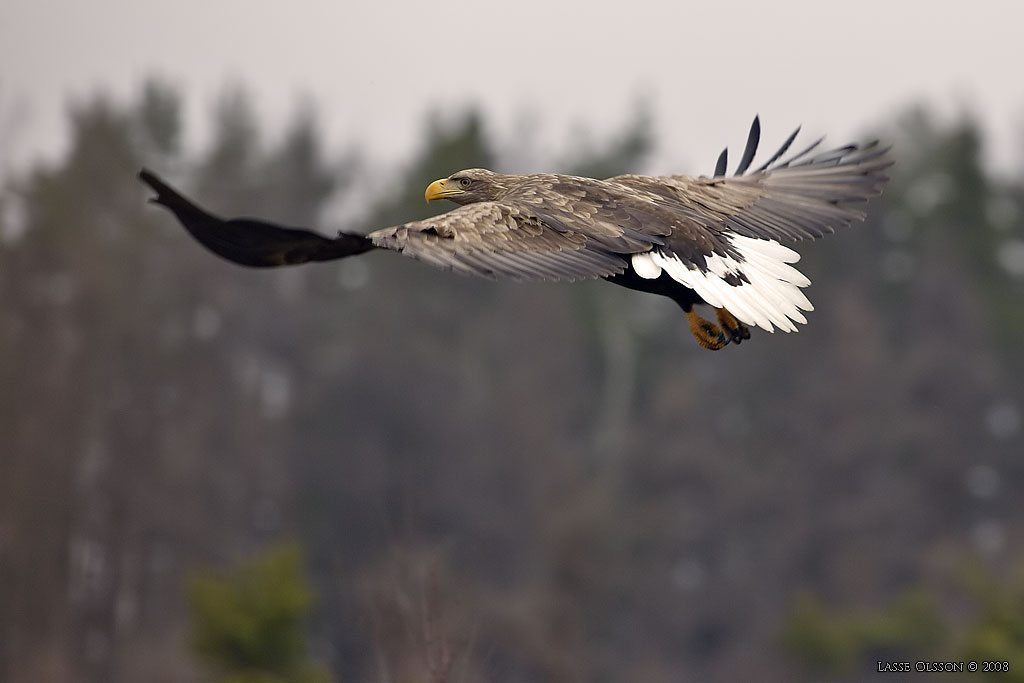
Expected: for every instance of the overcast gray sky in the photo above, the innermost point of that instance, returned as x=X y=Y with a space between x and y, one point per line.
x=373 y=67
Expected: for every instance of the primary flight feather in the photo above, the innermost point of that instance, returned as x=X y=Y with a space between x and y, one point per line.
x=697 y=240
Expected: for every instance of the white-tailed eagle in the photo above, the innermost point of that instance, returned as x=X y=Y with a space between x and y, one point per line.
x=695 y=239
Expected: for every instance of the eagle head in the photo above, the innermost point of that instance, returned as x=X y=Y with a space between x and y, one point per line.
x=470 y=186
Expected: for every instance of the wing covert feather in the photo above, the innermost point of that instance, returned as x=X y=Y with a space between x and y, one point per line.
x=491 y=239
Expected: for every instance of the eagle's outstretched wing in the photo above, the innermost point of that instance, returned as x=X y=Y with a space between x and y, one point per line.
x=802 y=197
x=493 y=239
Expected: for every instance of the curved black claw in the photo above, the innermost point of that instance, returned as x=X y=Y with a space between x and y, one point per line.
x=739 y=333
x=736 y=330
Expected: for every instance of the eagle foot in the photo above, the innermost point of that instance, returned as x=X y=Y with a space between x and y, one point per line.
x=707 y=334
x=736 y=330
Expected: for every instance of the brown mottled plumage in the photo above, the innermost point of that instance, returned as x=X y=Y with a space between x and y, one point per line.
x=700 y=239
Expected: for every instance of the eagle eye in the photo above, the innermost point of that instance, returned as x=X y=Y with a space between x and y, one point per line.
x=465 y=182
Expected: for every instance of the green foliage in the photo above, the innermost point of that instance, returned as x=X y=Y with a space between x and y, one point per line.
x=841 y=642
x=913 y=628
x=817 y=640
x=248 y=624
x=997 y=633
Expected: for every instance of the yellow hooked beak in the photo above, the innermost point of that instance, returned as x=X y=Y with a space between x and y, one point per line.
x=438 y=190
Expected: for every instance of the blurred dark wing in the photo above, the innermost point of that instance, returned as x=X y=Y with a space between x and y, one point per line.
x=251 y=242
x=493 y=239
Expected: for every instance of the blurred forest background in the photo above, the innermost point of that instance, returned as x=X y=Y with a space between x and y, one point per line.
x=373 y=471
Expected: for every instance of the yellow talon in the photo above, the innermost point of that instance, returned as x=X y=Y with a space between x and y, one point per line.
x=707 y=334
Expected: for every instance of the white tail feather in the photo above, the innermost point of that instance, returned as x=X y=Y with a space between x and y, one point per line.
x=769 y=297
